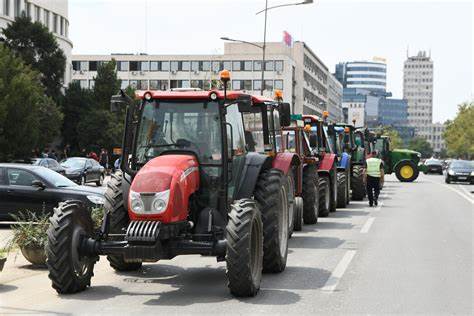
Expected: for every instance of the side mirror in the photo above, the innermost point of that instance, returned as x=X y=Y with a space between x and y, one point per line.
x=38 y=184
x=284 y=110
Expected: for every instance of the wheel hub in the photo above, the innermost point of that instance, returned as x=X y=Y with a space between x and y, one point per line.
x=406 y=172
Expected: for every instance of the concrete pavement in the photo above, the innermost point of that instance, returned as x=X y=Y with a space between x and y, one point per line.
x=412 y=254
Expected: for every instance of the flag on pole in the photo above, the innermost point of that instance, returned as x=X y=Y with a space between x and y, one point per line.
x=287 y=39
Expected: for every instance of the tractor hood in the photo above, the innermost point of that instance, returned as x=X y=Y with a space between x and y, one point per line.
x=161 y=189
x=407 y=152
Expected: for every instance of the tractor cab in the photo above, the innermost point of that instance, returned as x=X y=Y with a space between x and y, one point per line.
x=202 y=172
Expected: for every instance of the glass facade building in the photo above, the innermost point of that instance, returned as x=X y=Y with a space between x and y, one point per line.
x=367 y=75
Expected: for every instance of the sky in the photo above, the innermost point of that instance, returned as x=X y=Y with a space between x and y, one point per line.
x=336 y=30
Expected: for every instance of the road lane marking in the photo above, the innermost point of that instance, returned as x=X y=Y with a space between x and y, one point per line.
x=367 y=225
x=337 y=274
x=466 y=191
x=468 y=198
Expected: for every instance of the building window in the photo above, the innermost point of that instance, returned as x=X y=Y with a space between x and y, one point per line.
x=93 y=65
x=145 y=66
x=194 y=67
x=174 y=66
x=91 y=84
x=185 y=66
x=196 y=84
x=206 y=66
x=279 y=65
x=123 y=66
x=142 y=84
x=6 y=7
x=236 y=65
x=124 y=84
x=37 y=13
x=247 y=85
x=216 y=66
x=247 y=65
x=84 y=84
x=46 y=19
x=28 y=9
x=269 y=65
x=66 y=28
x=179 y=84
x=55 y=23
x=269 y=85
x=165 y=66
x=154 y=66
x=236 y=85
x=134 y=66
x=257 y=65
x=84 y=66
x=257 y=85
x=17 y=8
x=227 y=65
x=76 y=65
x=279 y=84
x=61 y=29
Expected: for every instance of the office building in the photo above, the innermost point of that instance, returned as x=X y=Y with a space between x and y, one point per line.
x=368 y=75
x=418 y=91
x=334 y=105
x=295 y=70
x=52 y=14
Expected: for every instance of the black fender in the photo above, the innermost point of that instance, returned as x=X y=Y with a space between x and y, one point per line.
x=255 y=163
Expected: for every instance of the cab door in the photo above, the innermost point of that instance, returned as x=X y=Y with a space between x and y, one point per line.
x=237 y=149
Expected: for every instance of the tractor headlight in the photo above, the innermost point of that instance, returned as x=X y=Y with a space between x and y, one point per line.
x=96 y=199
x=451 y=172
x=136 y=202
x=160 y=202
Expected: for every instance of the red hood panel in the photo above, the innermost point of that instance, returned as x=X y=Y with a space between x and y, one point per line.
x=177 y=173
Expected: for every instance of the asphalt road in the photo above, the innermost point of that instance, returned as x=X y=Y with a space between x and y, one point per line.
x=412 y=254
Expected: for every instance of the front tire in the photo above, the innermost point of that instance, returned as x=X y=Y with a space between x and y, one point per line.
x=341 y=189
x=357 y=183
x=272 y=198
x=118 y=220
x=69 y=270
x=324 y=196
x=406 y=171
x=244 y=248
x=310 y=195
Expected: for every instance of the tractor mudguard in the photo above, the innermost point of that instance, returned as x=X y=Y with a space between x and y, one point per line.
x=284 y=161
x=254 y=164
x=344 y=163
x=327 y=162
x=126 y=183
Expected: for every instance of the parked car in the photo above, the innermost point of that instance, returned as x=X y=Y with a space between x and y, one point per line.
x=433 y=166
x=39 y=189
x=460 y=171
x=84 y=170
x=48 y=163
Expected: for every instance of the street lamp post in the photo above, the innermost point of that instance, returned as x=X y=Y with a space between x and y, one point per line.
x=263 y=47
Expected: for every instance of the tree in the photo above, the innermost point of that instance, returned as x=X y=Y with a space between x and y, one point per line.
x=38 y=48
x=459 y=133
x=395 y=139
x=21 y=105
x=50 y=120
x=422 y=146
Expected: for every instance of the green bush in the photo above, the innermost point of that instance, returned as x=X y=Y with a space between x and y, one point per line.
x=30 y=229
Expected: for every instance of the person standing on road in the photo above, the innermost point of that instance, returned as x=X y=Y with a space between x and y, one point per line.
x=104 y=159
x=373 y=176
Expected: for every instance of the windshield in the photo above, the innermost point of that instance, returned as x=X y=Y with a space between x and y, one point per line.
x=54 y=178
x=76 y=163
x=464 y=164
x=188 y=126
x=433 y=162
x=330 y=139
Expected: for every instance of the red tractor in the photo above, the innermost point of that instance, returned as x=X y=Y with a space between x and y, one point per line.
x=327 y=167
x=307 y=200
x=200 y=174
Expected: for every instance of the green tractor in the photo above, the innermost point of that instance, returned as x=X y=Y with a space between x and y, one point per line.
x=404 y=162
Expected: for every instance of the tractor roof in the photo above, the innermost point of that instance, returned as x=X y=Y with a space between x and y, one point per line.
x=200 y=95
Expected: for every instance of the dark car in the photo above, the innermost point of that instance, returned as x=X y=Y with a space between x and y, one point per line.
x=433 y=166
x=83 y=170
x=39 y=189
x=48 y=163
x=460 y=171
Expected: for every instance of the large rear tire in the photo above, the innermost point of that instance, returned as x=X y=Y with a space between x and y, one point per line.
x=341 y=189
x=272 y=198
x=118 y=220
x=244 y=248
x=357 y=183
x=324 y=196
x=406 y=171
x=69 y=270
x=310 y=195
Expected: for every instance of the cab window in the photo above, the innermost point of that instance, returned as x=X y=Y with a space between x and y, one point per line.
x=234 y=118
x=254 y=132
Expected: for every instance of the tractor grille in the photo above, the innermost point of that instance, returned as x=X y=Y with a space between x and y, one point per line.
x=143 y=231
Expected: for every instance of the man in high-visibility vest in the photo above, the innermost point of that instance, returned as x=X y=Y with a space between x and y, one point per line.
x=373 y=175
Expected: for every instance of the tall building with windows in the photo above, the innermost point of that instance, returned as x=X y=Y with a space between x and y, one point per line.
x=334 y=106
x=51 y=13
x=368 y=75
x=295 y=70
x=418 y=91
